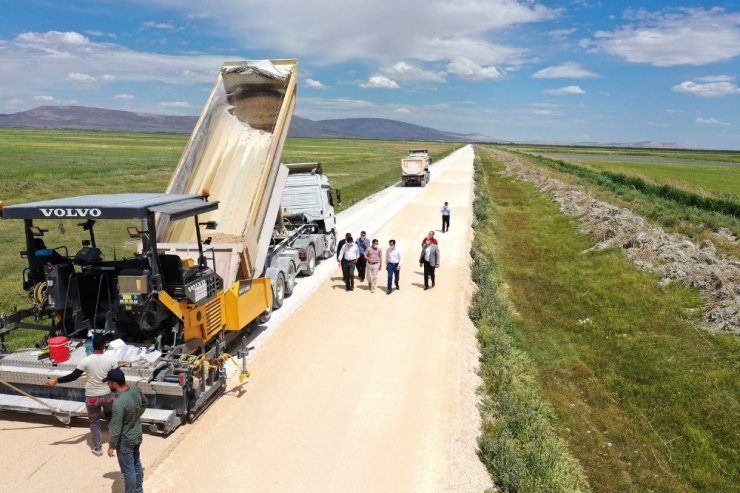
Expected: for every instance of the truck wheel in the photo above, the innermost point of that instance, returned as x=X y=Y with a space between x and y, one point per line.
x=279 y=295
x=331 y=249
x=310 y=261
x=290 y=281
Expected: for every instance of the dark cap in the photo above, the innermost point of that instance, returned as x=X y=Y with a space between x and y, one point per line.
x=115 y=375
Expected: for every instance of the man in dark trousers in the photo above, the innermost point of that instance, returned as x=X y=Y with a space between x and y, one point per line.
x=98 y=397
x=125 y=429
x=446 y=217
x=348 y=255
x=363 y=243
x=429 y=258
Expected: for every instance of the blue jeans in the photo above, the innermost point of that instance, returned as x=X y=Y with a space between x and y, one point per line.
x=392 y=271
x=96 y=408
x=130 y=463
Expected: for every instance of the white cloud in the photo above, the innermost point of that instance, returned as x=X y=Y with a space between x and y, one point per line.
x=560 y=34
x=124 y=97
x=683 y=36
x=404 y=71
x=466 y=68
x=168 y=26
x=403 y=111
x=382 y=30
x=716 y=78
x=658 y=124
x=716 y=89
x=567 y=70
x=314 y=84
x=35 y=63
x=174 y=104
x=14 y=102
x=80 y=77
x=43 y=98
x=565 y=91
x=711 y=121
x=379 y=82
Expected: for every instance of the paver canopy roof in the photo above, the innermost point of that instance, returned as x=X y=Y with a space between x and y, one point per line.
x=111 y=206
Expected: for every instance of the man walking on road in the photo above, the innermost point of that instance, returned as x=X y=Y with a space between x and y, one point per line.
x=125 y=429
x=98 y=397
x=430 y=237
x=429 y=258
x=393 y=260
x=374 y=258
x=363 y=243
x=446 y=217
x=348 y=256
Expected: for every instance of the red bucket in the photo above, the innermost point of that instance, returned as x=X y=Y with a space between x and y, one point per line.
x=58 y=349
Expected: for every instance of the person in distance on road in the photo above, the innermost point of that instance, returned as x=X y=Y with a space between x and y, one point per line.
x=374 y=258
x=393 y=260
x=348 y=256
x=430 y=237
x=446 y=217
x=125 y=429
x=363 y=243
x=98 y=397
x=429 y=258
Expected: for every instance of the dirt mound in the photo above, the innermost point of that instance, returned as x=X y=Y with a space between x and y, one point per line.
x=672 y=256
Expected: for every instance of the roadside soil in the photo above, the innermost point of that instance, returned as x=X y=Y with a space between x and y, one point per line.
x=356 y=391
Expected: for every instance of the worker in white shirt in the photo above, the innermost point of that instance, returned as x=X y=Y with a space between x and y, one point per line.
x=446 y=217
x=393 y=260
x=348 y=256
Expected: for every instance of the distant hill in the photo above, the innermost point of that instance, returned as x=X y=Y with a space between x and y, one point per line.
x=86 y=118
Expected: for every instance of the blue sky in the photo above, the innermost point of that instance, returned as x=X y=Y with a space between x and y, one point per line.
x=568 y=71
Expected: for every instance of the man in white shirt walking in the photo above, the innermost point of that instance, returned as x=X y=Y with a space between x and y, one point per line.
x=446 y=217
x=348 y=256
x=393 y=260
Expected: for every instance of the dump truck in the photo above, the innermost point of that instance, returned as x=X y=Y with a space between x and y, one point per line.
x=214 y=255
x=415 y=168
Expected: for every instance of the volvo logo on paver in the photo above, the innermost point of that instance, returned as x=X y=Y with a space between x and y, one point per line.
x=59 y=212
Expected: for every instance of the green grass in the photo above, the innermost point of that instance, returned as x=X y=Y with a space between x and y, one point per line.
x=673 y=208
x=706 y=155
x=44 y=164
x=645 y=400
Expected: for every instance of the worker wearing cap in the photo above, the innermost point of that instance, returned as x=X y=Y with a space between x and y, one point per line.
x=125 y=429
x=98 y=397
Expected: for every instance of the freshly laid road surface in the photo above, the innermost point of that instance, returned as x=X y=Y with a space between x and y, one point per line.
x=350 y=391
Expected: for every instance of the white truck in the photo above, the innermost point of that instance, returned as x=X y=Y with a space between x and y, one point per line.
x=415 y=168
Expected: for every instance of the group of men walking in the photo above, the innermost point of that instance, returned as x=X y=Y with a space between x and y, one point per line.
x=366 y=257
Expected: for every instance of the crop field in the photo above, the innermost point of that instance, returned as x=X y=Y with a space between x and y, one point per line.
x=45 y=164
x=710 y=174
x=641 y=397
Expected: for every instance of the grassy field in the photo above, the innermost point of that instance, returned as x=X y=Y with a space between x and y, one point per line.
x=43 y=164
x=644 y=399
x=655 y=192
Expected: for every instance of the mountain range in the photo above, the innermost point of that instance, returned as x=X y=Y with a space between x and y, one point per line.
x=87 y=118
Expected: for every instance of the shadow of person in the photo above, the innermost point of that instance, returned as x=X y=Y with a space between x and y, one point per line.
x=118 y=486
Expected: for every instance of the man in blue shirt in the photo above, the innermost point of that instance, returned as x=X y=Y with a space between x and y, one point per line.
x=363 y=243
